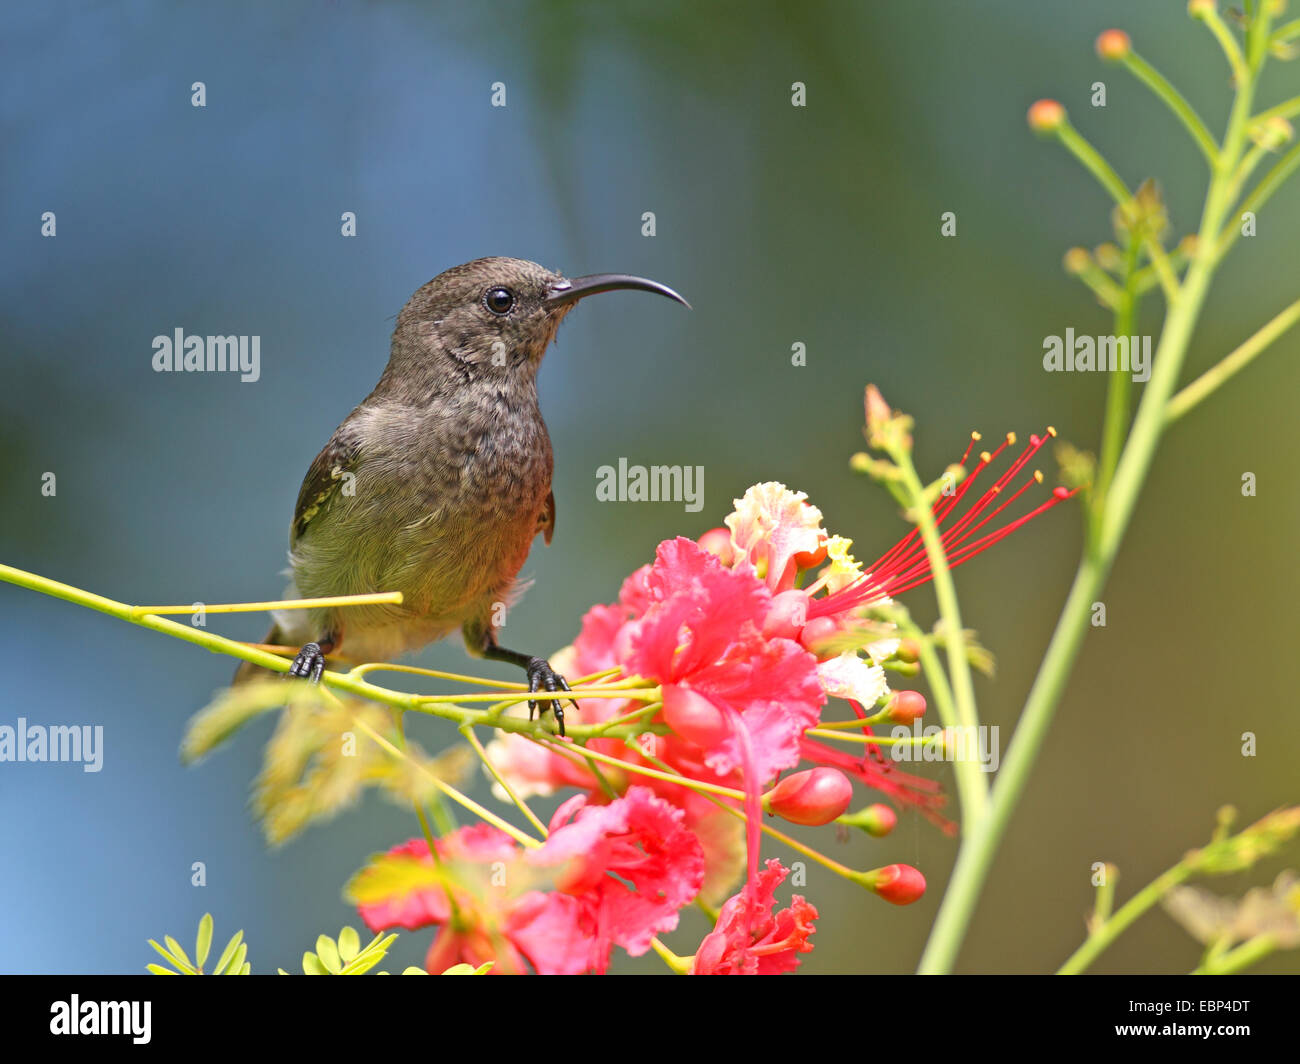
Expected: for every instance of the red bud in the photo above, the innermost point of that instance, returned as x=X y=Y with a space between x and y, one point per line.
x=717 y=541
x=1114 y=45
x=817 y=631
x=694 y=717
x=898 y=883
x=807 y=559
x=905 y=706
x=787 y=615
x=1046 y=116
x=816 y=796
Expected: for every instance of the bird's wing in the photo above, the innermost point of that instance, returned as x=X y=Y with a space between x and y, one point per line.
x=322 y=482
x=546 y=519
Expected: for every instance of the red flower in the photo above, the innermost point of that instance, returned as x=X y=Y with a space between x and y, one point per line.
x=750 y=939
x=465 y=892
x=703 y=634
x=629 y=866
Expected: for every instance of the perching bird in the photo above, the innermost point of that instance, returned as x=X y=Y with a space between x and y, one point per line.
x=436 y=484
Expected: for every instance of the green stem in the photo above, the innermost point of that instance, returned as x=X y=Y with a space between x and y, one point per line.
x=972 y=787
x=1231 y=364
x=1115 y=423
x=1242 y=957
x=976 y=853
x=1175 y=101
x=1106 y=933
x=1259 y=195
x=1094 y=163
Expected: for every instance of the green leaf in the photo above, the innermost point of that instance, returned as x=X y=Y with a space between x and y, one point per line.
x=237 y=963
x=417 y=971
x=311 y=965
x=228 y=954
x=158 y=969
x=459 y=969
x=371 y=955
x=329 y=954
x=179 y=964
x=179 y=953
x=349 y=943
x=204 y=942
x=226 y=714
x=246 y=969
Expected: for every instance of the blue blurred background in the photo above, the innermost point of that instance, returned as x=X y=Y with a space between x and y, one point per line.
x=818 y=225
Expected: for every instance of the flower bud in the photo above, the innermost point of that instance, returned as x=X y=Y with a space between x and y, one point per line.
x=787 y=616
x=877 y=820
x=1108 y=257
x=1200 y=8
x=898 y=884
x=717 y=541
x=1114 y=45
x=1046 y=116
x=816 y=796
x=816 y=632
x=905 y=706
x=909 y=651
x=694 y=717
x=1077 y=260
x=809 y=559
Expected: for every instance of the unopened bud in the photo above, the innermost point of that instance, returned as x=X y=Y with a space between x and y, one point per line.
x=909 y=650
x=816 y=796
x=717 y=541
x=899 y=884
x=1046 y=116
x=1077 y=260
x=787 y=615
x=809 y=559
x=694 y=717
x=877 y=820
x=816 y=633
x=905 y=706
x=1114 y=45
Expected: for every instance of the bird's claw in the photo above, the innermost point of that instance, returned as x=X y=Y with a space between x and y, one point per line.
x=542 y=677
x=310 y=663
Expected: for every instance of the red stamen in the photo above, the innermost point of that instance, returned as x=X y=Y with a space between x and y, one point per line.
x=906 y=565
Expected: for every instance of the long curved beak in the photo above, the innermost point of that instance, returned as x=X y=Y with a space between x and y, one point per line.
x=568 y=291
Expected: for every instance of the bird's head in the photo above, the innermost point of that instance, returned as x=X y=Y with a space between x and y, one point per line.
x=494 y=318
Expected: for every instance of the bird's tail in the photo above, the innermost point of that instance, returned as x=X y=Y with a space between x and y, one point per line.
x=248 y=671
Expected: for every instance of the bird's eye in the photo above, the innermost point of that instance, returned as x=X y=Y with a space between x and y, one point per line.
x=499 y=300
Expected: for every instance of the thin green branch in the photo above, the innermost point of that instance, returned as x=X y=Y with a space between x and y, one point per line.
x=1176 y=102
x=1231 y=364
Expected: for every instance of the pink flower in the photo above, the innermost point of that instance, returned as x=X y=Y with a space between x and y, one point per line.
x=629 y=866
x=479 y=919
x=702 y=639
x=750 y=939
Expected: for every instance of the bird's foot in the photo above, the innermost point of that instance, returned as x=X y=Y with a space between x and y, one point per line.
x=542 y=677
x=309 y=663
